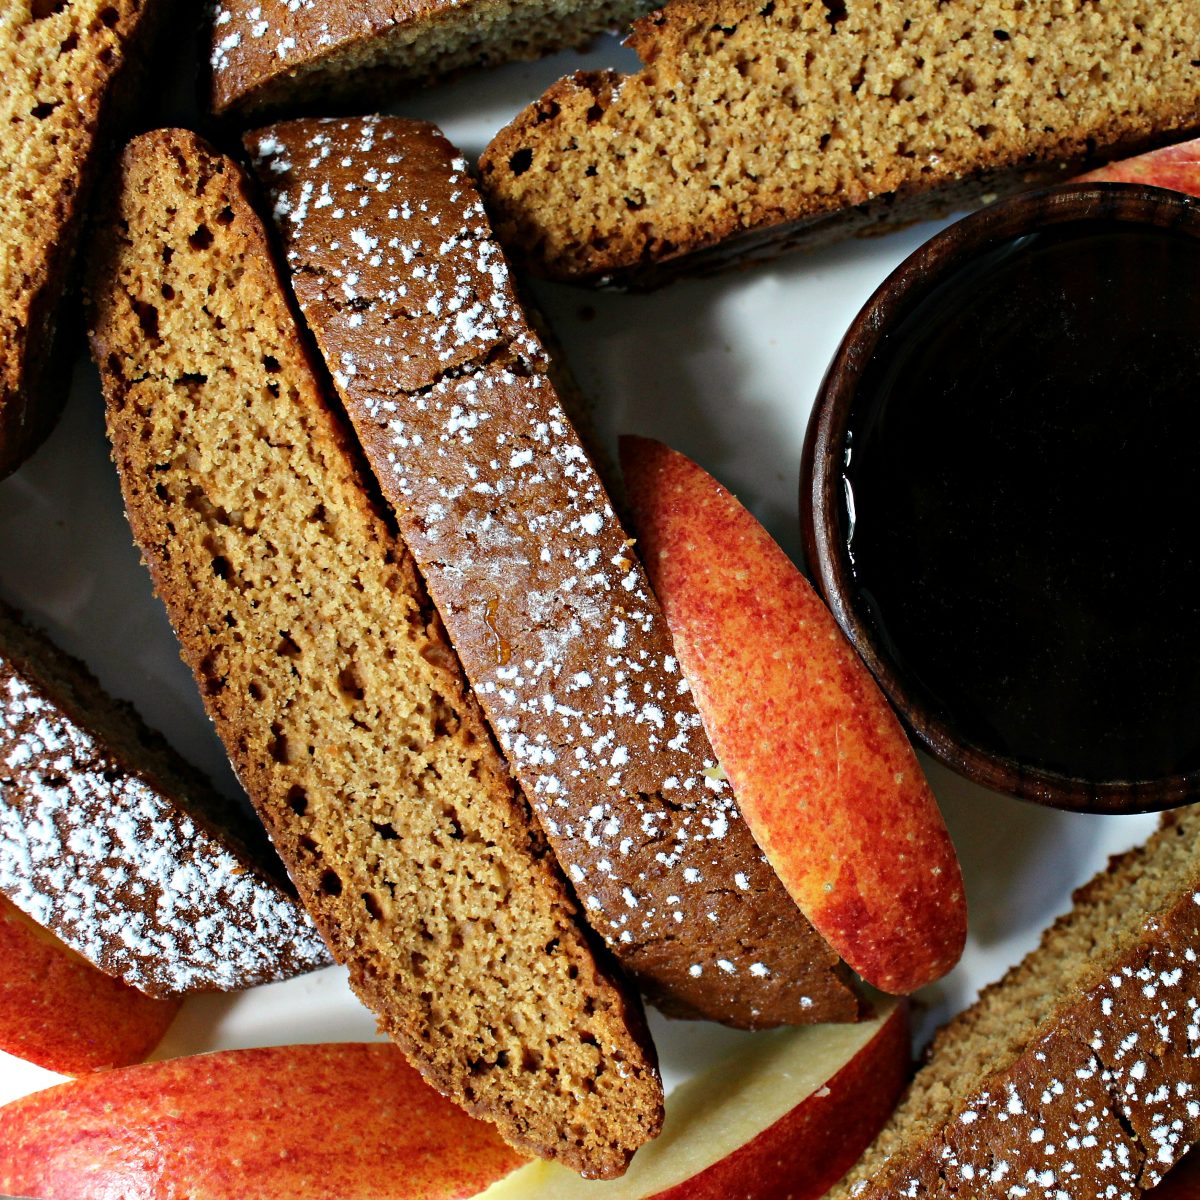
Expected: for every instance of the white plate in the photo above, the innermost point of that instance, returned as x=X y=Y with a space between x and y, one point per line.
x=723 y=369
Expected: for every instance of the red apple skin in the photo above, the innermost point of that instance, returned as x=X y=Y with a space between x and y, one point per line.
x=1175 y=167
x=811 y=1147
x=60 y=1012
x=302 y=1122
x=822 y=770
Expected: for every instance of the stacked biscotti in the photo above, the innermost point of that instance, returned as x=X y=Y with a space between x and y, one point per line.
x=455 y=403
x=755 y=126
x=65 y=67
x=271 y=54
x=110 y=841
x=1078 y=1074
x=330 y=679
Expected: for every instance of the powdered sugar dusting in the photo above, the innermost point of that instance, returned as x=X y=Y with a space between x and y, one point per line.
x=1104 y=1100
x=256 y=38
x=124 y=877
x=502 y=508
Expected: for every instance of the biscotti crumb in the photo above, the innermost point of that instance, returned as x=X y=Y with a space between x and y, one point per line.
x=63 y=66
x=331 y=682
x=755 y=126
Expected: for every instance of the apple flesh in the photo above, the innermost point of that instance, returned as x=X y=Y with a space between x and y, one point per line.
x=782 y=1119
x=822 y=770
x=1175 y=167
x=329 y=1121
x=60 y=1012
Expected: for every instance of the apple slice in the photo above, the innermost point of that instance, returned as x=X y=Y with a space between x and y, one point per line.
x=784 y=1118
x=336 y=1121
x=1175 y=167
x=819 y=763
x=60 y=1012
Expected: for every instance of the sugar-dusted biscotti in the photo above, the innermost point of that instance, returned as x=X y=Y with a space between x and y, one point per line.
x=269 y=55
x=1077 y=1076
x=455 y=403
x=332 y=684
x=63 y=65
x=114 y=844
x=754 y=126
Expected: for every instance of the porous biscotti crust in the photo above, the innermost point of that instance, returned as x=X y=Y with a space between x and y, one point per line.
x=450 y=391
x=330 y=680
x=274 y=54
x=1077 y=1076
x=60 y=63
x=109 y=840
x=753 y=125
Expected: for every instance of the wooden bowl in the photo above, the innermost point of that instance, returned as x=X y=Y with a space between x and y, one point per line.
x=898 y=311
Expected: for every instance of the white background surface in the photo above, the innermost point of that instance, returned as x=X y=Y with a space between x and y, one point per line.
x=723 y=369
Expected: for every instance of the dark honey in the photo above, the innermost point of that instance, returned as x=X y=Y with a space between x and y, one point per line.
x=1023 y=494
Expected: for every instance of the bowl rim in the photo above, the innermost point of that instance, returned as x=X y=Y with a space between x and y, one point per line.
x=823 y=456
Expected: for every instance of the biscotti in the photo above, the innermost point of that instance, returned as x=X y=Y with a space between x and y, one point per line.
x=274 y=54
x=755 y=126
x=331 y=682
x=451 y=394
x=61 y=64
x=115 y=845
x=1078 y=1075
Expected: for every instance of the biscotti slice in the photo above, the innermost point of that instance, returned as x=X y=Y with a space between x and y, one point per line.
x=1077 y=1076
x=451 y=394
x=754 y=126
x=331 y=682
x=61 y=63
x=114 y=844
x=267 y=55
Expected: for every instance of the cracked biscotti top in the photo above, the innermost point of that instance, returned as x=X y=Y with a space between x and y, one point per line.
x=461 y=416
x=331 y=682
x=62 y=64
x=1077 y=1076
x=283 y=54
x=116 y=846
x=755 y=125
